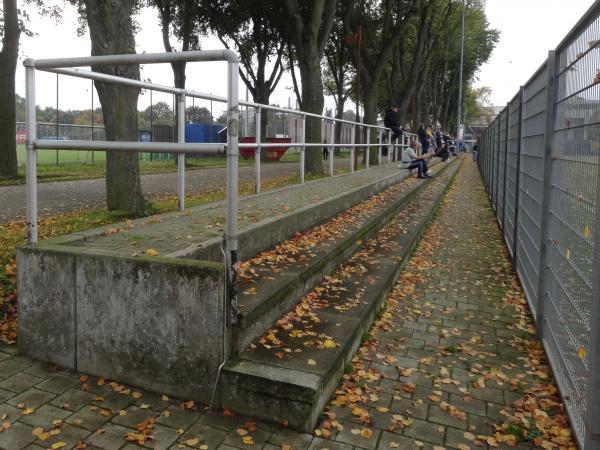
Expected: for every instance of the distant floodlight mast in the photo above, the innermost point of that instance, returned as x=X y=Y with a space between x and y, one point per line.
x=459 y=126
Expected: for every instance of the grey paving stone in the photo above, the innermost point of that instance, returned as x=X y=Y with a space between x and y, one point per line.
x=109 y=437
x=69 y=434
x=16 y=437
x=178 y=418
x=324 y=444
x=9 y=367
x=210 y=436
x=393 y=441
x=133 y=416
x=259 y=437
x=19 y=382
x=437 y=415
x=346 y=436
x=290 y=437
x=57 y=384
x=44 y=416
x=31 y=398
x=164 y=437
x=72 y=399
x=425 y=431
x=113 y=401
x=89 y=419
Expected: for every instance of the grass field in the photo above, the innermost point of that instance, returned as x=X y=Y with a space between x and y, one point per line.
x=78 y=165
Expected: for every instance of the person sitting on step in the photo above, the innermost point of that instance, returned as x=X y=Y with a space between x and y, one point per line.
x=410 y=159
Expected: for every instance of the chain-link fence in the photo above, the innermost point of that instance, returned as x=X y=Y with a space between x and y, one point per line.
x=539 y=161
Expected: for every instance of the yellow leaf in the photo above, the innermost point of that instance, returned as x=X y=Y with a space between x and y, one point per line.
x=60 y=444
x=136 y=394
x=37 y=431
x=469 y=436
x=329 y=344
x=248 y=440
x=568 y=254
x=587 y=232
x=151 y=252
x=581 y=352
x=312 y=362
x=27 y=411
x=192 y=442
x=366 y=433
x=242 y=431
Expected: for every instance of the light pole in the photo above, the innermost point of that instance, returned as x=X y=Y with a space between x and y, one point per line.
x=460 y=79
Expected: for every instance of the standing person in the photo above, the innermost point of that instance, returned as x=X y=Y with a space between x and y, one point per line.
x=410 y=160
x=392 y=120
x=325 y=150
x=475 y=150
x=439 y=140
x=423 y=138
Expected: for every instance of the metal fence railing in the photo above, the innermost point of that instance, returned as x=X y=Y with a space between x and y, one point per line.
x=539 y=161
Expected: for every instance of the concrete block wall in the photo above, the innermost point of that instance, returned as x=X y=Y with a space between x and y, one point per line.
x=149 y=321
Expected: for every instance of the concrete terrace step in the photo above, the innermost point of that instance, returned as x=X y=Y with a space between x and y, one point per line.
x=264 y=297
x=288 y=375
x=264 y=219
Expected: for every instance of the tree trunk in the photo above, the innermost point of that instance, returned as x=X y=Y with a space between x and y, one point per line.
x=111 y=32
x=313 y=102
x=370 y=102
x=8 y=66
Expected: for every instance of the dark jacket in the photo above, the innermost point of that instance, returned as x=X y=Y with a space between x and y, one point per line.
x=391 y=118
x=422 y=134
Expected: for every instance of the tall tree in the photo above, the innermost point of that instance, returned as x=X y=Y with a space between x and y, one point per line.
x=310 y=23
x=339 y=76
x=382 y=25
x=12 y=23
x=179 y=18
x=112 y=32
x=8 y=65
x=253 y=28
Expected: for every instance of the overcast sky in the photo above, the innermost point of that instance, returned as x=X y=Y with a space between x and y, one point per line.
x=529 y=28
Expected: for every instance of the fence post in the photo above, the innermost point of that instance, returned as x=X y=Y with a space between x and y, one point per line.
x=592 y=424
x=303 y=149
x=331 y=153
x=368 y=147
x=390 y=148
x=181 y=156
x=257 y=126
x=496 y=193
x=31 y=164
x=506 y=133
x=352 y=153
x=546 y=188
x=518 y=178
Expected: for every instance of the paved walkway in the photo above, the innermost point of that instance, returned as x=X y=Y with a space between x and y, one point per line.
x=448 y=358
x=64 y=196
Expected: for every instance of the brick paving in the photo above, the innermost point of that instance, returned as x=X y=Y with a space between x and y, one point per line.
x=447 y=324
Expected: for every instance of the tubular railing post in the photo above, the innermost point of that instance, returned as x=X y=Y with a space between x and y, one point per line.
x=391 y=147
x=352 y=153
x=331 y=153
x=368 y=147
x=31 y=165
x=257 y=126
x=518 y=178
x=181 y=156
x=546 y=190
x=379 y=156
x=231 y=236
x=303 y=149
